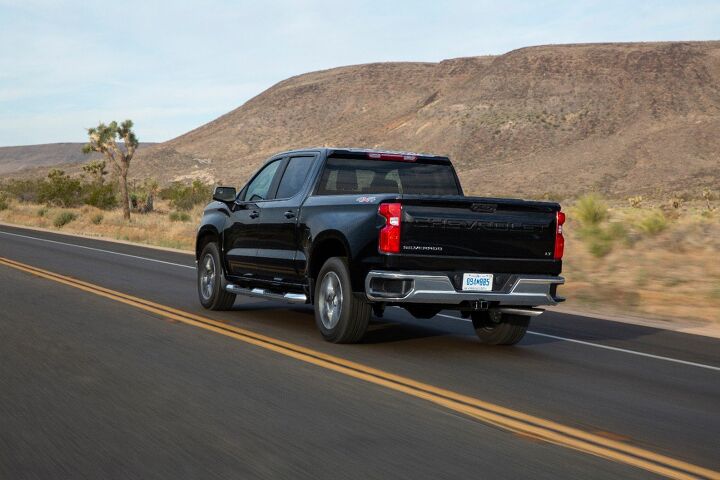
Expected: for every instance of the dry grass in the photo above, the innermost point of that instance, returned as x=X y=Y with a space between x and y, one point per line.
x=671 y=273
x=152 y=228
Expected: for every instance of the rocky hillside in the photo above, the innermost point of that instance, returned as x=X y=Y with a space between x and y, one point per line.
x=623 y=119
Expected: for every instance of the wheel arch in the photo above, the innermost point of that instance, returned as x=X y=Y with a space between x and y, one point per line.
x=206 y=234
x=331 y=243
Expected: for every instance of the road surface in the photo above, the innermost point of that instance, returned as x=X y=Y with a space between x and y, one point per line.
x=97 y=382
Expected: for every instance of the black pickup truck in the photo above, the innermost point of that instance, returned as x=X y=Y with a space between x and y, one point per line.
x=354 y=231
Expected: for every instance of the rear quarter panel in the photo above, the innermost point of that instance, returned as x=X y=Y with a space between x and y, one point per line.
x=353 y=220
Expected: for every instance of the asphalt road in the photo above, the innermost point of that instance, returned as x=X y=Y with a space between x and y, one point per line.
x=91 y=387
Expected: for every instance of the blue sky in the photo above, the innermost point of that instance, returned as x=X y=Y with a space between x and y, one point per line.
x=173 y=65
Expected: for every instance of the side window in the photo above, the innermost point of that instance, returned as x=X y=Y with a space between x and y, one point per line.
x=260 y=185
x=294 y=177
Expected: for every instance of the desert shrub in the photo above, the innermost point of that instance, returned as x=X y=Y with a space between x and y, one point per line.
x=636 y=202
x=169 y=192
x=142 y=196
x=179 y=217
x=25 y=190
x=599 y=240
x=4 y=201
x=591 y=209
x=42 y=211
x=676 y=202
x=96 y=219
x=619 y=233
x=653 y=223
x=60 y=189
x=708 y=195
x=600 y=247
x=63 y=218
x=185 y=197
x=100 y=195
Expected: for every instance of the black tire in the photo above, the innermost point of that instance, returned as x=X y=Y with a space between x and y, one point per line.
x=502 y=330
x=341 y=315
x=210 y=291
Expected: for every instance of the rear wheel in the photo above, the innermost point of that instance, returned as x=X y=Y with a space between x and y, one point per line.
x=341 y=315
x=500 y=329
x=209 y=280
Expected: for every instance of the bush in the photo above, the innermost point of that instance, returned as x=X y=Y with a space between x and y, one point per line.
x=591 y=209
x=23 y=190
x=185 y=197
x=97 y=219
x=653 y=223
x=179 y=217
x=600 y=247
x=100 y=195
x=60 y=189
x=4 y=201
x=636 y=202
x=708 y=196
x=63 y=218
x=42 y=211
x=599 y=240
x=142 y=197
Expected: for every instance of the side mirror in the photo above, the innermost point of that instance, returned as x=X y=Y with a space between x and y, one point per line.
x=224 y=194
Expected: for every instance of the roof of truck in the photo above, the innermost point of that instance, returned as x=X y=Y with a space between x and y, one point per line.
x=359 y=151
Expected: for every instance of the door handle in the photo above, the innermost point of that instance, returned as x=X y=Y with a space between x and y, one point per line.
x=289 y=214
x=254 y=214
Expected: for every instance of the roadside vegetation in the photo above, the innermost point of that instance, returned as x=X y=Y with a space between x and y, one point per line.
x=645 y=257
x=97 y=203
x=88 y=204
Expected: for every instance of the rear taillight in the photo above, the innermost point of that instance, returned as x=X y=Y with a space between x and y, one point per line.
x=389 y=241
x=559 y=239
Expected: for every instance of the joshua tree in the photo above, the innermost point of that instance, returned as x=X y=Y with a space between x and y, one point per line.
x=104 y=139
x=96 y=171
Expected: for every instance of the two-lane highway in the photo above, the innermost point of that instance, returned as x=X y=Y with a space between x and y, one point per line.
x=102 y=384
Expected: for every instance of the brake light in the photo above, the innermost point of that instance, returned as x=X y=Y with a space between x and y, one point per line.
x=389 y=241
x=559 y=239
x=398 y=157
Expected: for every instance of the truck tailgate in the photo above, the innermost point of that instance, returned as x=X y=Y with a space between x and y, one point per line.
x=478 y=227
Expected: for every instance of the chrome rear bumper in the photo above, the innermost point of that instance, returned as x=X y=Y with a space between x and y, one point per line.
x=520 y=289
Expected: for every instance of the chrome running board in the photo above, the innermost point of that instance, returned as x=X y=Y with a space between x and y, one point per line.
x=263 y=293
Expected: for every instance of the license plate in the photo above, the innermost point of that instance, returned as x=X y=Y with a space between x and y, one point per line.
x=477 y=282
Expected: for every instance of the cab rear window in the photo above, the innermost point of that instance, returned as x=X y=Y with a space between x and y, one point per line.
x=343 y=176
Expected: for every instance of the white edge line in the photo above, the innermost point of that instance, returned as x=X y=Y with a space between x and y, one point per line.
x=99 y=238
x=606 y=347
x=98 y=250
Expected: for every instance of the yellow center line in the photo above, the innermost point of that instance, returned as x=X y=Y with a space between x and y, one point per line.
x=486 y=412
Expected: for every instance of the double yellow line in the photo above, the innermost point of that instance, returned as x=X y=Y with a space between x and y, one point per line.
x=497 y=415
